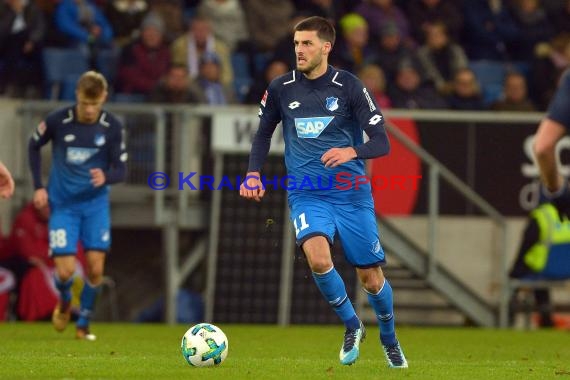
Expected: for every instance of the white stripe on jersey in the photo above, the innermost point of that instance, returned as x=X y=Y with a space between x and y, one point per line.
x=334 y=81
x=69 y=117
x=103 y=121
x=291 y=81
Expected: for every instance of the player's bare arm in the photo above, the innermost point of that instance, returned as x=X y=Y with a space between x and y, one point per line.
x=6 y=182
x=338 y=156
x=97 y=177
x=252 y=188
x=548 y=134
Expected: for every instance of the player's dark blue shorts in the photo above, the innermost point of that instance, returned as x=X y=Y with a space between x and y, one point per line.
x=355 y=224
x=88 y=222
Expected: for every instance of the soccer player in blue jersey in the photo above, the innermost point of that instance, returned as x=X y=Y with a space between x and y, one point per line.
x=323 y=112
x=551 y=130
x=88 y=155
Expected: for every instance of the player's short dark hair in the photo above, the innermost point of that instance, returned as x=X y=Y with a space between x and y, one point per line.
x=92 y=84
x=323 y=27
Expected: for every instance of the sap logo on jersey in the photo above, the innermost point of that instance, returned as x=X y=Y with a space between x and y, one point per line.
x=311 y=127
x=77 y=156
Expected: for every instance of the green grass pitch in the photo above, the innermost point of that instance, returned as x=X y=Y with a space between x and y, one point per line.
x=133 y=351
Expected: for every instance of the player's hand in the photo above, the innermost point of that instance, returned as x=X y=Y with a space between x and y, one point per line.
x=97 y=177
x=252 y=187
x=6 y=182
x=560 y=200
x=40 y=198
x=338 y=156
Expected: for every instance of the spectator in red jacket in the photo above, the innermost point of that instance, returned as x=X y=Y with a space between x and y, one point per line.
x=144 y=62
x=29 y=240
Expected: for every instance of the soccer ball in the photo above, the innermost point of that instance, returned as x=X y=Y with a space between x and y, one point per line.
x=204 y=345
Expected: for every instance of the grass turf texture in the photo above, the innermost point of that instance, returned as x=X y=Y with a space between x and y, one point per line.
x=125 y=351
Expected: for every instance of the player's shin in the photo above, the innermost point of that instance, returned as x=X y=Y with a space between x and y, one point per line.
x=382 y=303
x=87 y=303
x=332 y=288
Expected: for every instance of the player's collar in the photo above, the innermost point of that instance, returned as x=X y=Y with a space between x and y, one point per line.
x=320 y=81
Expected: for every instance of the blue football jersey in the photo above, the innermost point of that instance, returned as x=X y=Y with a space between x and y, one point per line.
x=559 y=109
x=77 y=148
x=317 y=115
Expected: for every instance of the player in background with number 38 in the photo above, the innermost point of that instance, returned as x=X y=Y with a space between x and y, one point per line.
x=323 y=112
x=88 y=154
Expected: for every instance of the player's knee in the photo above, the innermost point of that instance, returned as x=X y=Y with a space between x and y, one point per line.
x=320 y=264
x=65 y=274
x=372 y=286
x=371 y=281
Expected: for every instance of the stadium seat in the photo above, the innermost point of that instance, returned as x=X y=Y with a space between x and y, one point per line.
x=121 y=97
x=107 y=62
x=240 y=65
x=490 y=75
x=59 y=65
x=488 y=72
x=241 y=87
x=261 y=61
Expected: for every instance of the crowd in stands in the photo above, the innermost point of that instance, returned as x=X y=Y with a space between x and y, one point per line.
x=426 y=54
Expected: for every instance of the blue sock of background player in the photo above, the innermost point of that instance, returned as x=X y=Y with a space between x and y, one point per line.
x=64 y=288
x=332 y=287
x=87 y=302
x=382 y=303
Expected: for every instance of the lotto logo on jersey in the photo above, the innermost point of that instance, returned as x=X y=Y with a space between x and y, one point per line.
x=311 y=127
x=78 y=156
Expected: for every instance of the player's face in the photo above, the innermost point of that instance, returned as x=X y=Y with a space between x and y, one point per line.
x=311 y=52
x=88 y=109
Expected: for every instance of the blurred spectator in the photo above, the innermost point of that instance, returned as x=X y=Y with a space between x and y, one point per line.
x=373 y=79
x=146 y=60
x=466 y=94
x=534 y=27
x=210 y=84
x=273 y=70
x=331 y=9
x=175 y=87
x=440 y=58
x=551 y=60
x=409 y=92
x=172 y=14
x=379 y=13
x=351 y=49
x=489 y=26
x=29 y=238
x=82 y=24
x=561 y=19
x=285 y=49
x=228 y=21
x=423 y=13
x=515 y=95
x=390 y=52
x=266 y=24
x=125 y=17
x=199 y=40
x=22 y=31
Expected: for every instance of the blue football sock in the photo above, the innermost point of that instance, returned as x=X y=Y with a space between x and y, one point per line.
x=382 y=304
x=87 y=300
x=332 y=288
x=64 y=288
